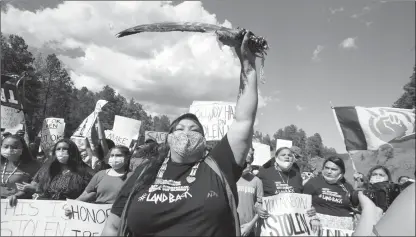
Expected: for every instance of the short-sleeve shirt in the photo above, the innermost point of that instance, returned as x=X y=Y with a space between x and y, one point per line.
x=178 y=208
x=105 y=186
x=329 y=199
x=250 y=191
x=23 y=173
x=275 y=182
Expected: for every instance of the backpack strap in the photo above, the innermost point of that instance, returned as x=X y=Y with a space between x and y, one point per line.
x=230 y=196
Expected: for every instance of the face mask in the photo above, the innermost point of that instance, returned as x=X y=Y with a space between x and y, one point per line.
x=186 y=144
x=116 y=162
x=377 y=179
x=62 y=156
x=284 y=165
x=11 y=154
x=332 y=180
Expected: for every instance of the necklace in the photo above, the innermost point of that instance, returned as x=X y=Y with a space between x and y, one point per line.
x=4 y=182
x=190 y=179
x=278 y=171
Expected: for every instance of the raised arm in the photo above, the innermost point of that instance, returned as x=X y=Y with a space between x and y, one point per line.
x=241 y=131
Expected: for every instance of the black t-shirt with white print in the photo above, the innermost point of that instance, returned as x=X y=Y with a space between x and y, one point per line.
x=275 y=182
x=329 y=199
x=180 y=208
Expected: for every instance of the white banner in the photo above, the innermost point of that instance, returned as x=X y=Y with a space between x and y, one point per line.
x=283 y=143
x=215 y=116
x=159 y=137
x=52 y=131
x=287 y=215
x=12 y=119
x=124 y=130
x=261 y=153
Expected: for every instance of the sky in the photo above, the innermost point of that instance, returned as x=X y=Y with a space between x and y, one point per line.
x=348 y=53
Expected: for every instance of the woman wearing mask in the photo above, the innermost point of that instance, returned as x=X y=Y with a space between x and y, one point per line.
x=379 y=174
x=331 y=195
x=63 y=176
x=18 y=167
x=185 y=190
x=106 y=184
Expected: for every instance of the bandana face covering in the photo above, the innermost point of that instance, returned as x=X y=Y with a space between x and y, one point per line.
x=187 y=143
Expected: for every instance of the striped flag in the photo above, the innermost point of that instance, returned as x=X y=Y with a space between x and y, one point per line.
x=369 y=128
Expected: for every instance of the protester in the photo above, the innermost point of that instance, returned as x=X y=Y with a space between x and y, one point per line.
x=106 y=184
x=18 y=167
x=374 y=223
x=63 y=176
x=331 y=195
x=250 y=192
x=143 y=153
x=196 y=203
x=379 y=174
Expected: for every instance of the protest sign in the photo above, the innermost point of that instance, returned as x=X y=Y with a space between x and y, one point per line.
x=33 y=218
x=12 y=119
x=326 y=232
x=87 y=129
x=261 y=153
x=287 y=215
x=87 y=219
x=124 y=130
x=159 y=137
x=283 y=143
x=215 y=116
x=331 y=223
x=9 y=96
x=52 y=131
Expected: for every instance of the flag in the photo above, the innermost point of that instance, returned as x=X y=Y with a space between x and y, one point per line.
x=366 y=128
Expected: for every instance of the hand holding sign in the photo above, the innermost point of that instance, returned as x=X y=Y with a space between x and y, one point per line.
x=25 y=187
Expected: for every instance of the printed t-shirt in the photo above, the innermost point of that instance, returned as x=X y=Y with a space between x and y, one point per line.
x=105 y=186
x=275 y=183
x=329 y=199
x=24 y=173
x=250 y=191
x=180 y=208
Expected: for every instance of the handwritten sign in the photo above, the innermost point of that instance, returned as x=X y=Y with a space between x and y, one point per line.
x=261 y=153
x=336 y=222
x=215 y=116
x=283 y=143
x=287 y=215
x=12 y=119
x=159 y=137
x=87 y=219
x=124 y=130
x=33 y=218
x=86 y=127
x=325 y=231
x=52 y=131
x=9 y=96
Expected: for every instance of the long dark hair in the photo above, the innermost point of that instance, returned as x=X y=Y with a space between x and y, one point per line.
x=26 y=156
x=53 y=167
x=127 y=154
x=379 y=167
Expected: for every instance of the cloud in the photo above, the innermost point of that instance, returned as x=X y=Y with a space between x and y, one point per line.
x=264 y=100
x=334 y=11
x=368 y=23
x=363 y=11
x=299 y=108
x=315 y=54
x=163 y=71
x=349 y=43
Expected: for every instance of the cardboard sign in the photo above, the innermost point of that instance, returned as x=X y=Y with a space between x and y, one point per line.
x=47 y=218
x=261 y=153
x=87 y=219
x=52 y=131
x=86 y=128
x=159 y=137
x=215 y=116
x=287 y=215
x=283 y=143
x=124 y=130
x=326 y=232
x=12 y=119
x=9 y=96
x=33 y=218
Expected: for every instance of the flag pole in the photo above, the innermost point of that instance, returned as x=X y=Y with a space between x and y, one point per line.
x=340 y=131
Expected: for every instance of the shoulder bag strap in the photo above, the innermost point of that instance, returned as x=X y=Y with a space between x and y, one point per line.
x=231 y=200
